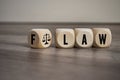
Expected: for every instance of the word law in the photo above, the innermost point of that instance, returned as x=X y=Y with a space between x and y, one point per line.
x=68 y=38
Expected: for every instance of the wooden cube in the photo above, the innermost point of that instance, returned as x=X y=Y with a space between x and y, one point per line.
x=84 y=37
x=102 y=37
x=65 y=38
x=40 y=38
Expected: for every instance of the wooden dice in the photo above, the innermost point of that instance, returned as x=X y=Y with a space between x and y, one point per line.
x=68 y=38
x=65 y=38
x=84 y=37
x=40 y=38
x=102 y=37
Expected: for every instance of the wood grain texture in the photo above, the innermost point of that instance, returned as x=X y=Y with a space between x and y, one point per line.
x=20 y=62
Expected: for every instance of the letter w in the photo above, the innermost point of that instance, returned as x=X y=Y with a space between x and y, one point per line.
x=102 y=38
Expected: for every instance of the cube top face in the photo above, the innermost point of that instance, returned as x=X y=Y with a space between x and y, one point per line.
x=40 y=38
x=84 y=37
x=65 y=38
x=102 y=37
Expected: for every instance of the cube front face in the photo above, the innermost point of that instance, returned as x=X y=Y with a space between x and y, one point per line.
x=102 y=37
x=65 y=38
x=84 y=37
x=46 y=38
x=40 y=38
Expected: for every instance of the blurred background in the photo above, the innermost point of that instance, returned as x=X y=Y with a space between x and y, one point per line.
x=20 y=62
x=98 y=11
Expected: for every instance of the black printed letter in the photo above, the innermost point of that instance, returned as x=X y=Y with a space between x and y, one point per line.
x=102 y=38
x=65 y=43
x=84 y=40
x=32 y=38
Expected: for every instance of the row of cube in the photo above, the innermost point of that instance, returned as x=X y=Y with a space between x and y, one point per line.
x=68 y=38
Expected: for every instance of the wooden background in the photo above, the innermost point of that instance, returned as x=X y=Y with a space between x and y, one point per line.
x=20 y=62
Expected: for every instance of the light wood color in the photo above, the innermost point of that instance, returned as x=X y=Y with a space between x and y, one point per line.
x=84 y=37
x=65 y=38
x=102 y=37
x=40 y=38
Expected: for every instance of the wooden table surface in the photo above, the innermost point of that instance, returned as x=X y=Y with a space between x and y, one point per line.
x=20 y=62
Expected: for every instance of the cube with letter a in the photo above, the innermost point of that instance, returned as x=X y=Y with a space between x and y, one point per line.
x=84 y=37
